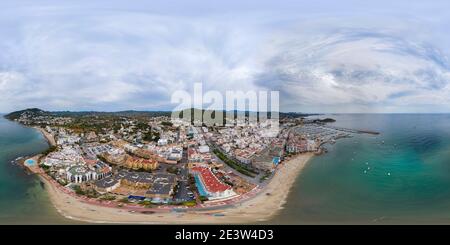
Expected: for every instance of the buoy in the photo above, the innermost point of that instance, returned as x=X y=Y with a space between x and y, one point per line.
x=388 y=173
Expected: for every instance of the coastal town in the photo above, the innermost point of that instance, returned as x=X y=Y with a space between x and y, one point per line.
x=147 y=163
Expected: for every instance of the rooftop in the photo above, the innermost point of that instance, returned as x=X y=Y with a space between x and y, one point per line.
x=210 y=181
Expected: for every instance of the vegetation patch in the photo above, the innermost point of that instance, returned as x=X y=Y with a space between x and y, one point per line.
x=241 y=169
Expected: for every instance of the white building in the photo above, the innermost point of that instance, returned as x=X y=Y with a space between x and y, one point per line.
x=82 y=173
x=203 y=149
x=162 y=142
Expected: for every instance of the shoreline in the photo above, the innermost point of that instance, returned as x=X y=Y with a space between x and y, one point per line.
x=262 y=206
x=259 y=208
x=50 y=139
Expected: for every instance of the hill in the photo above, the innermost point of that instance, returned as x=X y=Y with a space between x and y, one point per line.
x=35 y=112
x=31 y=112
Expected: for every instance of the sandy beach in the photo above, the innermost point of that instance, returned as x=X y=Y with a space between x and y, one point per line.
x=50 y=139
x=258 y=208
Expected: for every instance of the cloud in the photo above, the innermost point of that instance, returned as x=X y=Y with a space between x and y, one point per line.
x=9 y=82
x=120 y=60
x=357 y=70
x=322 y=58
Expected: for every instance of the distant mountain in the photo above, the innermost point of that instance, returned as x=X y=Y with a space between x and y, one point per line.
x=31 y=112
x=39 y=112
x=128 y=113
x=247 y=113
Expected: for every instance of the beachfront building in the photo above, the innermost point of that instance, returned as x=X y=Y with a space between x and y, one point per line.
x=111 y=183
x=311 y=145
x=162 y=187
x=108 y=184
x=84 y=173
x=159 y=187
x=79 y=174
x=296 y=144
x=209 y=185
x=66 y=156
x=139 y=180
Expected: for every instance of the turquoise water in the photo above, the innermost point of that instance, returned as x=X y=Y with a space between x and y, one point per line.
x=23 y=199
x=199 y=185
x=408 y=180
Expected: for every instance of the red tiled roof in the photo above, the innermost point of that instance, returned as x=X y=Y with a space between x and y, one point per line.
x=210 y=181
x=90 y=161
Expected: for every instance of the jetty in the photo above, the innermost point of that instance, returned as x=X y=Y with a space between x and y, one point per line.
x=354 y=131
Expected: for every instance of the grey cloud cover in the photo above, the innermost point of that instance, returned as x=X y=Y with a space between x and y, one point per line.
x=109 y=55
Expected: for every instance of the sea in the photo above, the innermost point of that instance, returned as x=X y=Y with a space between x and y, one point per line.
x=401 y=176
x=23 y=199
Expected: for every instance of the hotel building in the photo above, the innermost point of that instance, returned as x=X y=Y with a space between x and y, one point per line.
x=208 y=184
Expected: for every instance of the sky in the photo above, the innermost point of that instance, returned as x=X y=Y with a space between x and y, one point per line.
x=322 y=56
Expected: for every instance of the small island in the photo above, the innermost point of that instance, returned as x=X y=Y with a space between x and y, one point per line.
x=326 y=120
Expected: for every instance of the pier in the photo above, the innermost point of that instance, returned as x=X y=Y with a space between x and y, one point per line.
x=354 y=131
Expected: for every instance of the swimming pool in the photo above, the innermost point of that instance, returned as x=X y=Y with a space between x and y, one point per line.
x=276 y=160
x=200 y=188
x=30 y=162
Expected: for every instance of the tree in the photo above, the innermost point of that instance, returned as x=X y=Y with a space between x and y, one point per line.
x=78 y=190
x=166 y=123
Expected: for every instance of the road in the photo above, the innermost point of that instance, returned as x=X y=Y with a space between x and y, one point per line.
x=227 y=168
x=183 y=179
